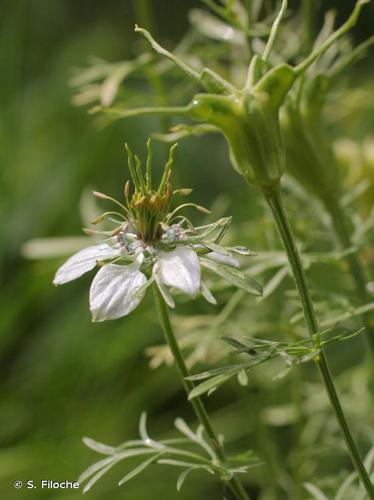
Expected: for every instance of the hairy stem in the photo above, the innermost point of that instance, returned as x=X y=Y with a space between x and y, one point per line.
x=275 y=203
x=343 y=232
x=197 y=404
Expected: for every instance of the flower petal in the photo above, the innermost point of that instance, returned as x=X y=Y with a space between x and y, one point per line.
x=166 y=295
x=113 y=292
x=229 y=260
x=180 y=268
x=83 y=261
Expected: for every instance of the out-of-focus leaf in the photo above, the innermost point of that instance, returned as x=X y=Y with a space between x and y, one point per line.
x=316 y=493
x=51 y=248
x=211 y=27
x=233 y=276
x=274 y=282
x=180 y=131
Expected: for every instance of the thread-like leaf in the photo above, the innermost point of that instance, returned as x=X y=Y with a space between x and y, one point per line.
x=233 y=276
x=137 y=470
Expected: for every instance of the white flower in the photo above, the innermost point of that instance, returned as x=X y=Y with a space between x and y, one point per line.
x=118 y=289
x=173 y=262
x=148 y=246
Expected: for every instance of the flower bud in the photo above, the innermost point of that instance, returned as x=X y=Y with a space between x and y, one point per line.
x=102 y=196
x=203 y=210
x=116 y=231
x=183 y=191
x=127 y=189
x=98 y=219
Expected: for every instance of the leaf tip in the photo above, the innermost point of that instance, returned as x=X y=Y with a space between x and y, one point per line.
x=85 y=440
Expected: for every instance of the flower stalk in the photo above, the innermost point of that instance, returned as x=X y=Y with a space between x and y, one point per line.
x=197 y=404
x=342 y=230
x=311 y=160
x=275 y=203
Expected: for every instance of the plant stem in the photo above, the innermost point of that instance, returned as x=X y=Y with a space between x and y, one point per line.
x=309 y=12
x=343 y=232
x=248 y=28
x=144 y=14
x=274 y=200
x=196 y=403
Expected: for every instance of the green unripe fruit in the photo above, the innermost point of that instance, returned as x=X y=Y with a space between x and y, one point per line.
x=251 y=128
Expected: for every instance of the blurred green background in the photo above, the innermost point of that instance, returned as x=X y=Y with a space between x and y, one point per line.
x=62 y=377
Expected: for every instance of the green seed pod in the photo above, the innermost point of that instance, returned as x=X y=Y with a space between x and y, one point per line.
x=250 y=124
x=265 y=144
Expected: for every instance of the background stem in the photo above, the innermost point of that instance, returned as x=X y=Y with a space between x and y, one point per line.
x=274 y=200
x=196 y=403
x=144 y=15
x=343 y=232
x=309 y=13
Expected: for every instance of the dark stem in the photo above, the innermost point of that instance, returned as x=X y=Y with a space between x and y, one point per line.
x=343 y=232
x=274 y=200
x=196 y=403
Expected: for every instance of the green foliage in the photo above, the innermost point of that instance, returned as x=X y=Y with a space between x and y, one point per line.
x=165 y=452
x=62 y=377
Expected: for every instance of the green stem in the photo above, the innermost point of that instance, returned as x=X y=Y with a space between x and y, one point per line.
x=274 y=200
x=276 y=479
x=295 y=458
x=248 y=28
x=196 y=403
x=309 y=12
x=144 y=15
x=319 y=51
x=343 y=232
x=152 y=110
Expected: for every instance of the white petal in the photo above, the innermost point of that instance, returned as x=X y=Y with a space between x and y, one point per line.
x=166 y=295
x=83 y=261
x=113 y=292
x=229 y=260
x=180 y=268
